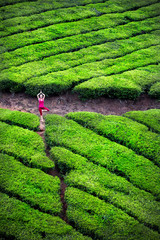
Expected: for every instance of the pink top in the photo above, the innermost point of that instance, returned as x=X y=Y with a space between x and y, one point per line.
x=41 y=102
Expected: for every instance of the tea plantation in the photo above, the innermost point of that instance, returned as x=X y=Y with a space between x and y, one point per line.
x=110 y=165
x=91 y=47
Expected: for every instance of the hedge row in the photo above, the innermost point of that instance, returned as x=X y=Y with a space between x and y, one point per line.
x=155 y=90
x=21 y=24
x=122 y=130
x=25 y=145
x=22 y=119
x=118 y=86
x=56 y=82
x=118 y=159
x=30 y=185
x=102 y=220
x=150 y=118
x=67 y=60
x=27 y=9
x=19 y=221
x=62 y=30
x=74 y=43
x=99 y=182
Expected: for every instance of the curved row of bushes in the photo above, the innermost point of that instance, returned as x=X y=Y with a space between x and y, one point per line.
x=98 y=181
x=22 y=119
x=122 y=130
x=19 y=221
x=62 y=30
x=150 y=118
x=102 y=220
x=31 y=22
x=117 y=158
x=30 y=185
x=25 y=145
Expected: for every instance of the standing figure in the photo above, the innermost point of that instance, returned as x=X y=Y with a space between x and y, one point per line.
x=41 y=97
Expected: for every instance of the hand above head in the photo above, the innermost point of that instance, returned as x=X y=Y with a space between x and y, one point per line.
x=41 y=95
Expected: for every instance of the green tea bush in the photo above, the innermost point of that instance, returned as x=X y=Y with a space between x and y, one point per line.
x=38 y=6
x=25 y=23
x=115 y=86
x=63 y=80
x=122 y=130
x=22 y=119
x=102 y=220
x=25 y=145
x=30 y=185
x=72 y=28
x=118 y=159
x=155 y=90
x=22 y=73
x=67 y=161
x=28 y=8
x=19 y=221
x=77 y=42
x=99 y=182
x=150 y=118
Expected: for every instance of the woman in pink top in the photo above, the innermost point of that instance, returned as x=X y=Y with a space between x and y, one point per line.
x=41 y=97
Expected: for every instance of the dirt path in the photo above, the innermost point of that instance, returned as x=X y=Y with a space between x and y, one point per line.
x=70 y=103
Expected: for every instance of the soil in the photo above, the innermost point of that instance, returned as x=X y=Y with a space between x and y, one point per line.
x=69 y=102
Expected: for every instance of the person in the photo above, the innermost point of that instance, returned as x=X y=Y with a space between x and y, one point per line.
x=41 y=97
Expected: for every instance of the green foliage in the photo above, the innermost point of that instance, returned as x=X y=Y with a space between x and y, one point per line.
x=155 y=90
x=25 y=23
x=31 y=185
x=122 y=130
x=56 y=82
x=21 y=74
x=102 y=220
x=150 y=118
x=99 y=182
x=119 y=159
x=117 y=85
x=72 y=28
x=22 y=119
x=25 y=145
x=19 y=221
x=77 y=42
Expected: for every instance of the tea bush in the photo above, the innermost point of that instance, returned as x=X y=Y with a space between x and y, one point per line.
x=150 y=118
x=19 y=221
x=99 y=182
x=122 y=130
x=22 y=119
x=155 y=90
x=30 y=185
x=102 y=220
x=25 y=145
x=118 y=159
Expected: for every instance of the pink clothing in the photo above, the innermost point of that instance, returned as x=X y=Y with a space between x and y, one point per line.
x=41 y=103
x=41 y=108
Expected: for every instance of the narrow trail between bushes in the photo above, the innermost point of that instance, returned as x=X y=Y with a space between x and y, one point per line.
x=55 y=172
